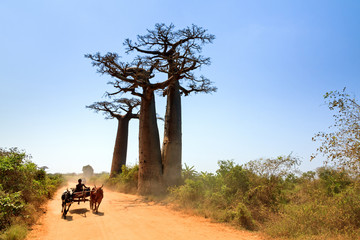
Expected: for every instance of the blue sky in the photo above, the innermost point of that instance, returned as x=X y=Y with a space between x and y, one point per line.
x=272 y=61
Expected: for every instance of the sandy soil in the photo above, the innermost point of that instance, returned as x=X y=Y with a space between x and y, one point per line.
x=123 y=216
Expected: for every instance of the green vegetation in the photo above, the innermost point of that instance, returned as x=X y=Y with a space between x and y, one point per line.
x=23 y=188
x=272 y=196
x=126 y=181
x=98 y=179
x=268 y=195
x=15 y=232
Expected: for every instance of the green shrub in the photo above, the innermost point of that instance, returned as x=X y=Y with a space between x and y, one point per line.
x=15 y=232
x=23 y=186
x=244 y=217
x=189 y=172
x=126 y=181
x=11 y=205
x=53 y=182
x=334 y=181
x=314 y=213
x=218 y=199
x=219 y=196
x=348 y=202
x=270 y=195
x=189 y=194
x=234 y=176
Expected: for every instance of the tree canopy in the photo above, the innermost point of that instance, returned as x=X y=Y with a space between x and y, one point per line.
x=117 y=108
x=177 y=53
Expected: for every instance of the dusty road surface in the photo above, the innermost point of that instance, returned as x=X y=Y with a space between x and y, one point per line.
x=122 y=217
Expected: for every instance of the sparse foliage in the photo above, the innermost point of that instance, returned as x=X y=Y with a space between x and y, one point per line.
x=341 y=145
x=274 y=167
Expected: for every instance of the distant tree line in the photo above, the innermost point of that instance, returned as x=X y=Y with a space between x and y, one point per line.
x=165 y=53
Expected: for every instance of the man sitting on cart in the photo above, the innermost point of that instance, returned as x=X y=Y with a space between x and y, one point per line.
x=78 y=192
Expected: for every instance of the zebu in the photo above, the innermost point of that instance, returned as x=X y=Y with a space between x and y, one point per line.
x=67 y=200
x=96 y=196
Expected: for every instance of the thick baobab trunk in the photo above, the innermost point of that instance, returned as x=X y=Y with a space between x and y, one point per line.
x=172 y=143
x=150 y=168
x=120 y=149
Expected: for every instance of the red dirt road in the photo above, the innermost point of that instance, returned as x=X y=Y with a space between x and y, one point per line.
x=122 y=217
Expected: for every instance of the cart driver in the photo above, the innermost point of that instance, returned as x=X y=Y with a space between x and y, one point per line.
x=80 y=186
x=78 y=191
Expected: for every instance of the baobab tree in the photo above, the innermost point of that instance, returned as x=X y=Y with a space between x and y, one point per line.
x=122 y=110
x=178 y=53
x=135 y=78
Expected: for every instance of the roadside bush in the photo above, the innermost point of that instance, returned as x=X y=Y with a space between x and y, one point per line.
x=334 y=181
x=221 y=196
x=99 y=179
x=126 y=181
x=272 y=195
x=15 y=232
x=190 y=194
x=11 y=205
x=349 y=203
x=189 y=172
x=23 y=187
x=322 y=207
x=53 y=182
x=326 y=218
x=234 y=177
x=244 y=217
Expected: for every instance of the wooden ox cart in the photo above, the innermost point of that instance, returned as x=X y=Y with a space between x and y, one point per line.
x=94 y=196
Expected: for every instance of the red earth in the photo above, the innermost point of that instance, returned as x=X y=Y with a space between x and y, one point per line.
x=124 y=216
